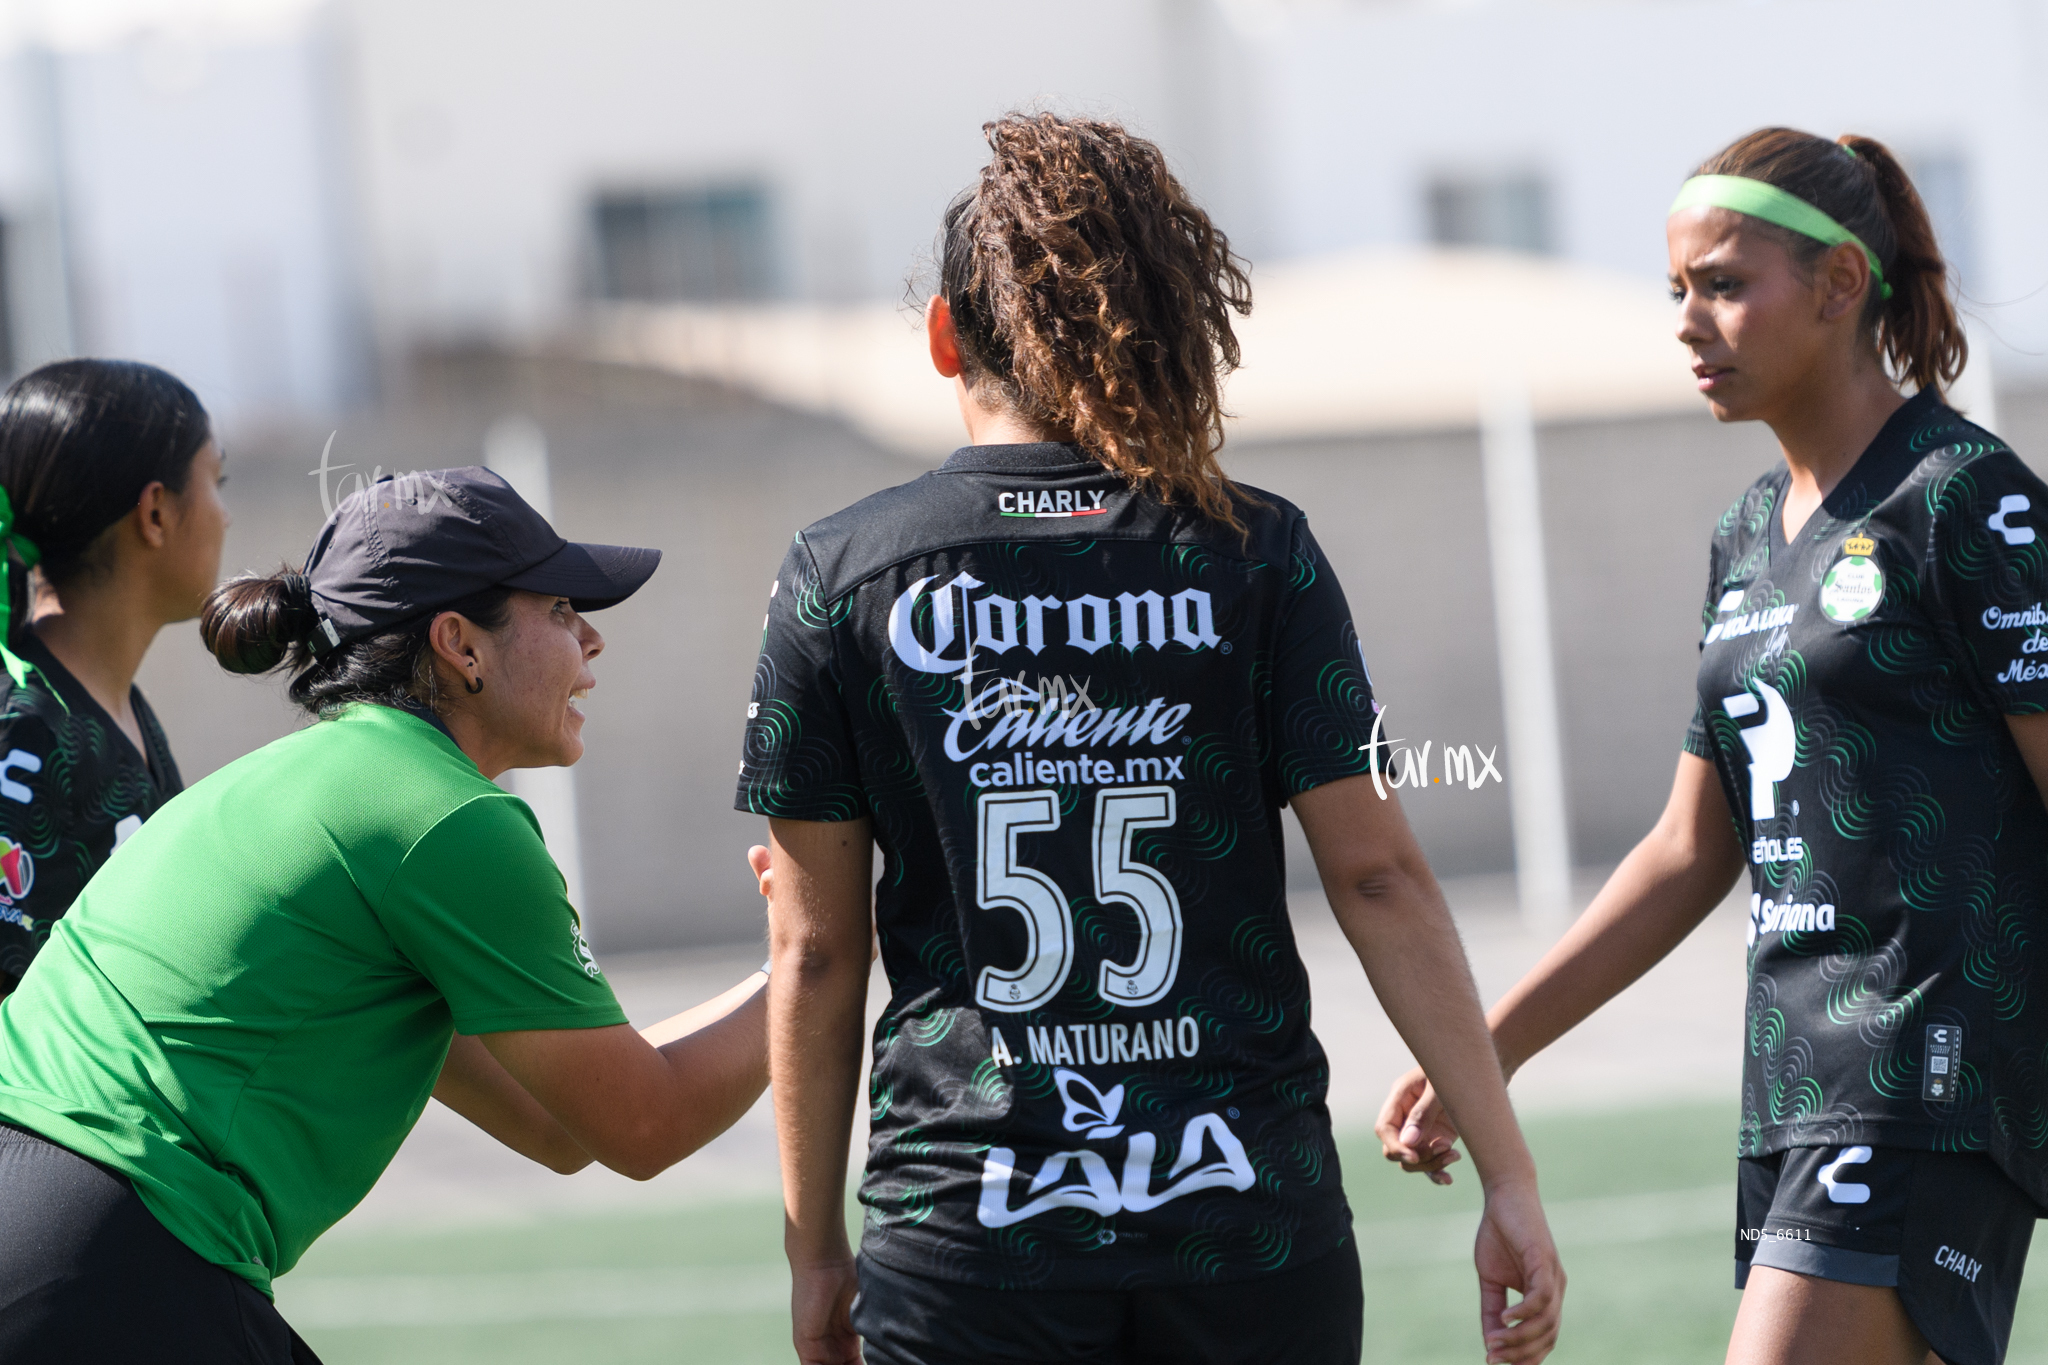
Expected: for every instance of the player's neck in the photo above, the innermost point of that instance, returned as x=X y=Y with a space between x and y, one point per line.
x=1825 y=430
x=100 y=633
x=997 y=425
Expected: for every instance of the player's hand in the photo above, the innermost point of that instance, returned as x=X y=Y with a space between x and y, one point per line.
x=1514 y=1251
x=821 y=1313
x=1414 y=1129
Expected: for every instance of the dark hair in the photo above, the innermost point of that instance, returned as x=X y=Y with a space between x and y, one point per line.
x=79 y=442
x=258 y=622
x=1093 y=293
x=1870 y=194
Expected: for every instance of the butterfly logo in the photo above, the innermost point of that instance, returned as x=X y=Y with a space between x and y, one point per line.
x=1095 y=1111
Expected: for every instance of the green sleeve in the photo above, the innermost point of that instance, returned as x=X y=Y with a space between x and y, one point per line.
x=480 y=909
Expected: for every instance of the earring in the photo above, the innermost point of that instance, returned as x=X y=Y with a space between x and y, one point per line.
x=472 y=685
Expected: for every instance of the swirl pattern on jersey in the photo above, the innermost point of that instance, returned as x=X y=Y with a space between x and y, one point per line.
x=1073 y=715
x=1853 y=685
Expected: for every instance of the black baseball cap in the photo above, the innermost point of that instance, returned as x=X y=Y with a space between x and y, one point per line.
x=411 y=544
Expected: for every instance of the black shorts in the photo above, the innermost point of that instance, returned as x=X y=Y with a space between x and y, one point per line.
x=88 y=1275
x=1945 y=1229
x=1311 y=1315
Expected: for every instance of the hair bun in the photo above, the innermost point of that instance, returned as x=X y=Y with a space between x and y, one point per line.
x=250 y=623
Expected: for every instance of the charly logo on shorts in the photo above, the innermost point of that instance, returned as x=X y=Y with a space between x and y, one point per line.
x=1854 y=587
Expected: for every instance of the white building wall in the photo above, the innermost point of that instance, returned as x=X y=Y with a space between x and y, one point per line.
x=205 y=229
x=484 y=126
x=1614 y=102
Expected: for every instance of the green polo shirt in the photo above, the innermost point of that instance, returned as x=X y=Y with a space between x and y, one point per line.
x=246 y=1009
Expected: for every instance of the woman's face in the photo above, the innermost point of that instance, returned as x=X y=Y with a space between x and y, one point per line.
x=534 y=670
x=1759 y=328
x=195 y=524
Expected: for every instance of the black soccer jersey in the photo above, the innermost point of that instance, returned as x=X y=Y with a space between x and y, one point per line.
x=72 y=786
x=1853 y=688
x=1073 y=714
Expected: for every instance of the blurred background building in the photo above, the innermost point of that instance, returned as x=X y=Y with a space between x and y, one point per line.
x=649 y=257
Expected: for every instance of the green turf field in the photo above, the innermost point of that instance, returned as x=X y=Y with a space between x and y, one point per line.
x=1642 y=1204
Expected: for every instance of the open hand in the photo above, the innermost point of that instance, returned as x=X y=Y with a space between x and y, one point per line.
x=1414 y=1129
x=1514 y=1251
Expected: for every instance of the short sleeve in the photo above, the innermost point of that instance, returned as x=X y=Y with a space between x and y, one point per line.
x=798 y=760
x=38 y=874
x=1321 y=697
x=1989 y=561
x=1697 y=743
x=480 y=909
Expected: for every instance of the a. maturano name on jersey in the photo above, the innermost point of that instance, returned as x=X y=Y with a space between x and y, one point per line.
x=1854 y=685
x=1073 y=714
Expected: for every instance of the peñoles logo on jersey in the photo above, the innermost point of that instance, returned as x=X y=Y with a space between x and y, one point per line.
x=17 y=871
x=1000 y=624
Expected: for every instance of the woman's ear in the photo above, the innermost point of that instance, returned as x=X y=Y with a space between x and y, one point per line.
x=1845 y=274
x=449 y=638
x=152 y=515
x=945 y=343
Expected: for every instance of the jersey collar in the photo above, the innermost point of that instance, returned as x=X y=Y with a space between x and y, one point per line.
x=1047 y=456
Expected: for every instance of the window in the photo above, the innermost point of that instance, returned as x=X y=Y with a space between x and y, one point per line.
x=705 y=243
x=1512 y=212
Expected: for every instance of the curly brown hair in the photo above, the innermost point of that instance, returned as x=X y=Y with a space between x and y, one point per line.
x=1861 y=185
x=1093 y=294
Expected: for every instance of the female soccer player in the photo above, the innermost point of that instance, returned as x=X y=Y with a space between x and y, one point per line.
x=1067 y=681
x=110 y=489
x=1870 y=740
x=227 y=1038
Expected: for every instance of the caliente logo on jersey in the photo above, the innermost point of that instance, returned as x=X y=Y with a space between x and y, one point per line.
x=999 y=624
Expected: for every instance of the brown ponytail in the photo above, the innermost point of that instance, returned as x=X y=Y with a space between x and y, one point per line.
x=1091 y=292
x=1860 y=184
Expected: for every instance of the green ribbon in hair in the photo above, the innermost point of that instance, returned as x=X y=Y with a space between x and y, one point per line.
x=1773 y=205
x=13 y=544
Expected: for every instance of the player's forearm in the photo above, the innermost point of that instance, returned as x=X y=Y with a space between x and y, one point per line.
x=1661 y=892
x=476 y=1086
x=1396 y=920
x=815 y=1015
x=720 y=1067
x=710 y=1012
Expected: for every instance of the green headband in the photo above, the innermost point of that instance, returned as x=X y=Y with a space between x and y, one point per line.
x=1773 y=205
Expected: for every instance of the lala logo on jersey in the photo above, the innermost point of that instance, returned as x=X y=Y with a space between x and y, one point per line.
x=17 y=870
x=1096 y=1188
x=999 y=624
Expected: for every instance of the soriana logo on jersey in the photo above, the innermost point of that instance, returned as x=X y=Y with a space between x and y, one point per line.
x=998 y=624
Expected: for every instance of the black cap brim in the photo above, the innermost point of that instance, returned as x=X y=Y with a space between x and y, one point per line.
x=592 y=577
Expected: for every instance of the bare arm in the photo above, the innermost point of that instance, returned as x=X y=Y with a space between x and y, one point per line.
x=1387 y=902
x=1661 y=892
x=476 y=1087
x=2031 y=734
x=819 y=928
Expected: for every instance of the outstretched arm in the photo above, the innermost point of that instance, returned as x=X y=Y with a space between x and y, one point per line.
x=638 y=1102
x=1661 y=892
x=1388 y=904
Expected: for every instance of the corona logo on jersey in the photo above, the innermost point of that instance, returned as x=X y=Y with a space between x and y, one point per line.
x=1082 y=1179
x=17 y=870
x=999 y=624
